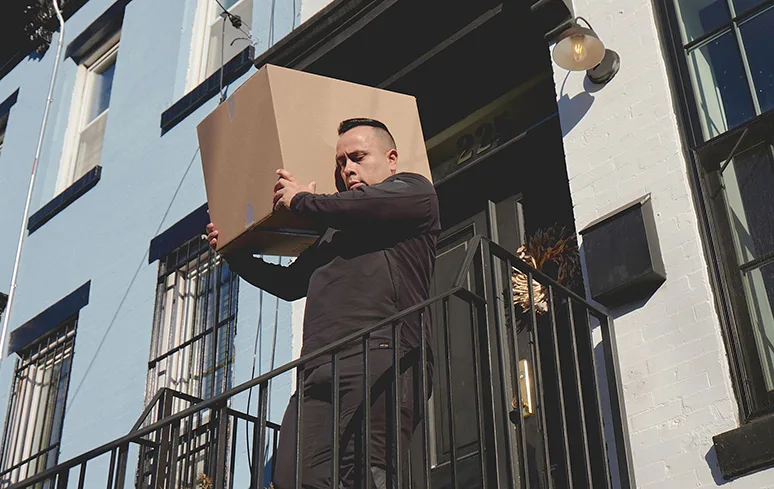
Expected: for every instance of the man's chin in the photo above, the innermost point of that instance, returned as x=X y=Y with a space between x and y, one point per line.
x=357 y=185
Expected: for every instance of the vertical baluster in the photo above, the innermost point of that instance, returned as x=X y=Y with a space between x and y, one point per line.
x=336 y=436
x=450 y=394
x=82 y=476
x=62 y=479
x=524 y=473
x=474 y=314
x=112 y=468
x=541 y=385
x=259 y=438
x=396 y=392
x=423 y=392
x=617 y=408
x=580 y=390
x=232 y=449
x=123 y=455
x=560 y=385
x=221 y=447
x=173 y=455
x=299 y=426
x=366 y=414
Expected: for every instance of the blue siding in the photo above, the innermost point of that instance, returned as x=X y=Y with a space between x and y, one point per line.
x=148 y=183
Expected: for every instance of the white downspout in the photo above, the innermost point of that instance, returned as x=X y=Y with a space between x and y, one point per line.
x=23 y=232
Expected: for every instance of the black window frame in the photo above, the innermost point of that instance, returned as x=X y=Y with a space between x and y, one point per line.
x=704 y=160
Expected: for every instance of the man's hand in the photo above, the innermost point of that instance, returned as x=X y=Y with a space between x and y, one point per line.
x=287 y=187
x=212 y=234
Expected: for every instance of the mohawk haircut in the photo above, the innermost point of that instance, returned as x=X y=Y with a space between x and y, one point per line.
x=349 y=124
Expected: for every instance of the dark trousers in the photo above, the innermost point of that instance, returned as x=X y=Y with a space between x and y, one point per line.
x=317 y=427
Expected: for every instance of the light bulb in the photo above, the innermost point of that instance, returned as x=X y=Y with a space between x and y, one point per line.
x=578 y=48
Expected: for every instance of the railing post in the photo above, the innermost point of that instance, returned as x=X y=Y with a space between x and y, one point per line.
x=496 y=370
x=221 y=447
x=164 y=438
x=614 y=387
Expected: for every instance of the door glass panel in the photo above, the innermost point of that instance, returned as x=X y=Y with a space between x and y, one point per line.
x=749 y=191
x=756 y=35
x=697 y=17
x=760 y=295
x=722 y=92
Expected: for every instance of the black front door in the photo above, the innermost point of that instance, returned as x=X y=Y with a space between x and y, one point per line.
x=455 y=346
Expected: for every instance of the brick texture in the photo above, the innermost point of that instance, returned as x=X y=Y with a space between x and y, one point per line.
x=674 y=368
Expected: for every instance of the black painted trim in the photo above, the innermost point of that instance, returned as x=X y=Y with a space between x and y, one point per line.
x=100 y=30
x=745 y=449
x=691 y=137
x=233 y=69
x=49 y=319
x=6 y=105
x=64 y=199
x=3 y=302
x=180 y=232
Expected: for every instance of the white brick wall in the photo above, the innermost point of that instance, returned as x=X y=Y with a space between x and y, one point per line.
x=677 y=387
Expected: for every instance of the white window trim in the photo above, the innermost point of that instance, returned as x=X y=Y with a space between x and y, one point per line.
x=106 y=53
x=197 y=59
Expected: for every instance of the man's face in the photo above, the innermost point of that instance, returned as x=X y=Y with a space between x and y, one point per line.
x=364 y=157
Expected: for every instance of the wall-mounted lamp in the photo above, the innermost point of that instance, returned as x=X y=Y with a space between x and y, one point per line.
x=579 y=48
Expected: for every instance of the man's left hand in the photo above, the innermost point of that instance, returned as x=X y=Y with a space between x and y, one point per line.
x=287 y=187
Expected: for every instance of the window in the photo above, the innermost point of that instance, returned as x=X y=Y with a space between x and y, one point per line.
x=88 y=114
x=737 y=176
x=215 y=39
x=191 y=354
x=726 y=43
x=194 y=323
x=37 y=404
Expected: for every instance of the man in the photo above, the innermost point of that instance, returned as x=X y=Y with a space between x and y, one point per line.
x=374 y=259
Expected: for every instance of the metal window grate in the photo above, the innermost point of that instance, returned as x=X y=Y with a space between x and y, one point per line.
x=194 y=323
x=36 y=410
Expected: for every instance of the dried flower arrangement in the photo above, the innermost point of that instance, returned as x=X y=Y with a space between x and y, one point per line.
x=555 y=245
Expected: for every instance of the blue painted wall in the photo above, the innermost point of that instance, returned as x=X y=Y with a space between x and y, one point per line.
x=149 y=182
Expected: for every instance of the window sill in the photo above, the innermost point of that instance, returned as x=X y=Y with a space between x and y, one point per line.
x=64 y=199
x=233 y=69
x=747 y=448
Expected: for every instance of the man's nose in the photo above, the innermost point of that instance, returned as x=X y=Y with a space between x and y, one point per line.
x=349 y=168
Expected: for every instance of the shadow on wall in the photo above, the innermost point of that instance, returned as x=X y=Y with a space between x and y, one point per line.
x=573 y=109
x=712 y=461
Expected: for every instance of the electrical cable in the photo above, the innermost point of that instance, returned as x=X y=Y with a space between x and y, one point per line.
x=271 y=23
x=38 y=150
x=237 y=21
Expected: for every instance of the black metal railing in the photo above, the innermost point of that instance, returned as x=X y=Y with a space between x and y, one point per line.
x=558 y=428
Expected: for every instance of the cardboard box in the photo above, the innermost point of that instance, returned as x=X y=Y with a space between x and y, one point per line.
x=283 y=118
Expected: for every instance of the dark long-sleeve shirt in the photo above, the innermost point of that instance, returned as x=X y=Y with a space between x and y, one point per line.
x=376 y=258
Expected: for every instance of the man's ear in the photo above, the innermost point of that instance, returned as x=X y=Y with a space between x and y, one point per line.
x=392 y=159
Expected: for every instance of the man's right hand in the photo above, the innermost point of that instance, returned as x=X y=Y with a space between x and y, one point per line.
x=212 y=236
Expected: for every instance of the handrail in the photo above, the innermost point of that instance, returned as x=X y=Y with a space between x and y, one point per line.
x=477 y=244
x=215 y=401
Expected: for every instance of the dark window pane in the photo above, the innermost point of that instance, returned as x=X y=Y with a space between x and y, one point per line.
x=722 y=92
x=697 y=17
x=741 y=6
x=749 y=190
x=756 y=35
x=759 y=285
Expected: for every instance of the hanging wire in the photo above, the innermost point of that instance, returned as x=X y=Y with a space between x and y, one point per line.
x=237 y=21
x=271 y=23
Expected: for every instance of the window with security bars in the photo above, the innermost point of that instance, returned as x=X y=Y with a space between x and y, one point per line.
x=33 y=428
x=191 y=355
x=726 y=44
x=194 y=323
